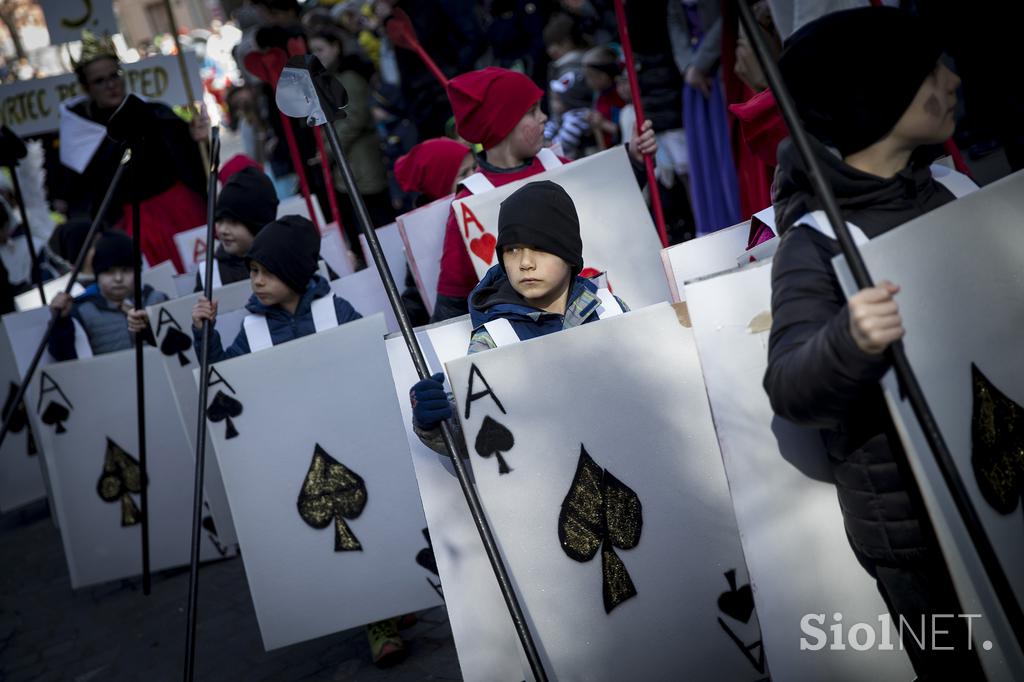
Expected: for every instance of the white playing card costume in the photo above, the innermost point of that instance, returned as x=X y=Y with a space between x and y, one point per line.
x=171 y=323
x=782 y=491
x=422 y=233
x=962 y=303
x=484 y=636
x=618 y=235
x=616 y=457
x=322 y=403
x=394 y=251
x=89 y=441
x=191 y=245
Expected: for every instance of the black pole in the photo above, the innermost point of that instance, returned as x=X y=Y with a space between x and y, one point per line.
x=79 y=262
x=37 y=273
x=204 y=385
x=896 y=352
x=140 y=369
x=405 y=325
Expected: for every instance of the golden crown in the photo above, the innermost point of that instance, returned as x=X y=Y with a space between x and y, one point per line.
x=94 y=47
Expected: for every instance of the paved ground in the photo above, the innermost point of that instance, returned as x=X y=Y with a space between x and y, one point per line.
x=113 y=632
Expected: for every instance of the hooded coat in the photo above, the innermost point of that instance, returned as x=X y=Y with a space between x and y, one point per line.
x=817 y=376
x=283 y=326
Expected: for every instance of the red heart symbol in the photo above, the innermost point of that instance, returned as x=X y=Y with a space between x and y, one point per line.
x=266 y=66
x=296 y=46
x=483 y=247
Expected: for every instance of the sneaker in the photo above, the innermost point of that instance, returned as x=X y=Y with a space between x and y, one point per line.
x=386 y=646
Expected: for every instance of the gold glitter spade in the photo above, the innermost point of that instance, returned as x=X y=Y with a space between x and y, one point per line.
x=332 y=491
x=121 y=476
x=997 y=444
x=601 y=511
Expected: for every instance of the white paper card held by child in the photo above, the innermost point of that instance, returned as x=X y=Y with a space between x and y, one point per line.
x=961 y=299
x=322 y=492
x=604 y=485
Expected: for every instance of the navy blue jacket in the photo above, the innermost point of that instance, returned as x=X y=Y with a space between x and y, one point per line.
x=283 y=325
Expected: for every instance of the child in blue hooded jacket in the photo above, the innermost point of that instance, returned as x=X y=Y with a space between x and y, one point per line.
x=289 y=299
x=534 y=290
x=104 y=309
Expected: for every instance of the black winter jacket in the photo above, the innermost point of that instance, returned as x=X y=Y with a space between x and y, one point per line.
x=817 y=376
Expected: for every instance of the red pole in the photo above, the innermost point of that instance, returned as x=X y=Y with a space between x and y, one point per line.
x=325 y=166
x=293 y=148
x=634 y=85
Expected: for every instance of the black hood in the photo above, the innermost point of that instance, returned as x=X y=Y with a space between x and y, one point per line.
x=872 y=203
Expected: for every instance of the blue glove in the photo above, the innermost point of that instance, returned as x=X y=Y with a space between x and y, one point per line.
x=430 y=404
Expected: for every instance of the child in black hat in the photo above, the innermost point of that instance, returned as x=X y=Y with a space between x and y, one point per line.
x=880 y=108
x=289 y=299
x=104 y=310
x=246 y=203
x=534 y=290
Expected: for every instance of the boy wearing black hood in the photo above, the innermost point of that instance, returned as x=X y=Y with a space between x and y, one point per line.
x=534 y=290
x=104 y=310
x=290 y=300
x=880 y=108
x=246 y=203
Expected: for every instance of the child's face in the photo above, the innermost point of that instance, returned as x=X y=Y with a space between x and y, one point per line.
x=597 y=80
x=931 y=117
x=466 y=168
x=234 y=237
x=536 y=275
x=268 y=287
x=324 y=50
x=528 y=135
x=116 y=284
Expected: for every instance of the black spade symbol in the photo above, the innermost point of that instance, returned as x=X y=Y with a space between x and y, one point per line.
x=332 y=491
x=997 y=444
x=425 y=557
x=738 y=603
x=176 y=342
x=121 y=476
x=494 y=439
x=601 y=511
x=222 y=409
x=55 y=415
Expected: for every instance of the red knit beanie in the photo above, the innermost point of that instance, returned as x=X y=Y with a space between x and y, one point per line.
x=490 y=102
x=235 y=164
x=430 y=167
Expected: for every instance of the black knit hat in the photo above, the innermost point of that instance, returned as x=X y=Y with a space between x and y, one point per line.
x=113 y=249
x=248 y=197
x=853 y=73
x=541 y=214
x=288 y=247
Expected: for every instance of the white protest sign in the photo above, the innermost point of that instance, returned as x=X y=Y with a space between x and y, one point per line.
x=618 y=235
x=171 y=323
x=484 y=636
x=191 y=246
x=66 y=19
x=365 y=292
x=296 y=205
x=32 y=107
x=321 y=487
x=334 y=253
x=783 y=493
x=21 y=479
x=29 y=299
x=422 y=233
x=703 y=256
x=962 y=304
x=573 y=458
x=90 y=444
x=394 y=250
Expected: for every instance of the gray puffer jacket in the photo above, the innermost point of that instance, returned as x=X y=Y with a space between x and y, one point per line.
x=105 y=325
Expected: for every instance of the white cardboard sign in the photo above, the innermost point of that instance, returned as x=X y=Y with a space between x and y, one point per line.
x=617 y=458
x=365 y=292
x=962 y=304
x=422 y=233
x=782 y=491
x=619 y=237
x=485 y=639
x=21 y=480
x=294 y=401
x=394 y=250
x=191 y=246
x=90 y=444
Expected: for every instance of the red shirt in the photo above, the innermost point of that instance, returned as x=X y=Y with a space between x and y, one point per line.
x=458 y=277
